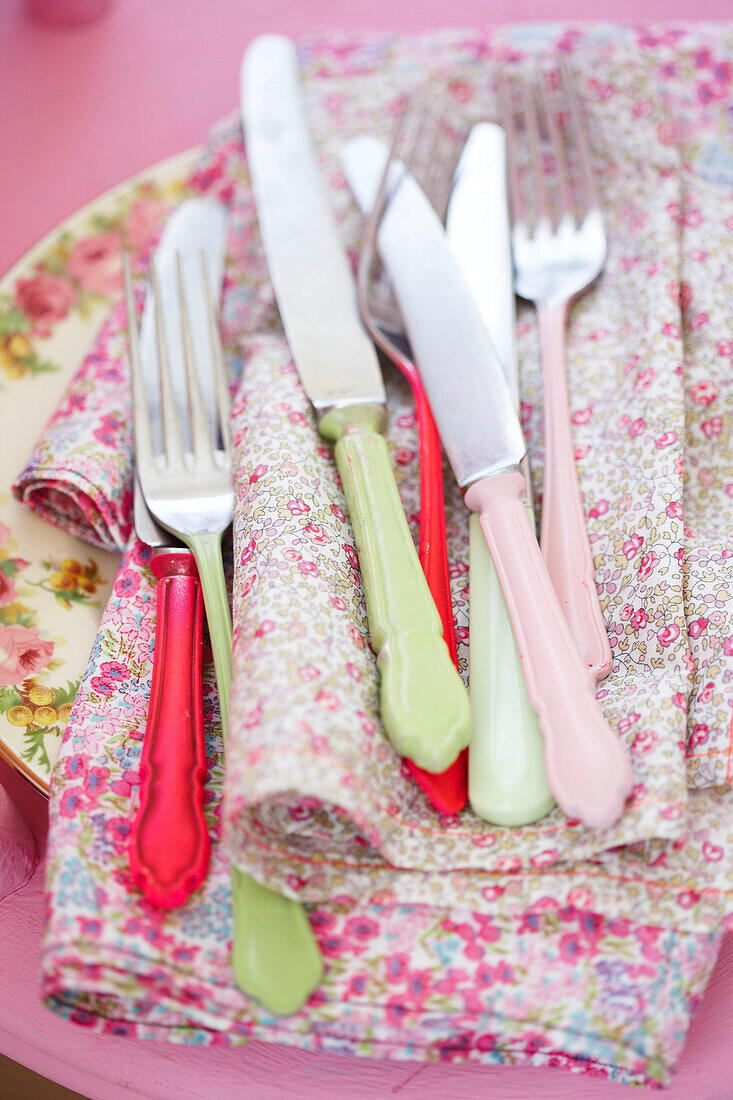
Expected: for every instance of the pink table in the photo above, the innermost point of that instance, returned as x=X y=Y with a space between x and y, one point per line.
x=84 y=109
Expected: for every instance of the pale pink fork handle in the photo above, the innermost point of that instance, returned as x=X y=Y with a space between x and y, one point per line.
x=564 y=537
x=587 y=767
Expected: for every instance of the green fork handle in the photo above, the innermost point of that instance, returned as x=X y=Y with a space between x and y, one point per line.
x=424 y=705
x=507 y=781
x=275 y=956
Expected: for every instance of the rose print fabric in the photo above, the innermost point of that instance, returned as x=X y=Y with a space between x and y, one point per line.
x=547 y=986
x=314 y=800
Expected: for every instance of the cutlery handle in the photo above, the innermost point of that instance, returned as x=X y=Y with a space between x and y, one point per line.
x=169 y=843
x=587 y=767
x=563 y=536
x=275 y=956
x=424 y=704
x=507 y=781
x=448 y=790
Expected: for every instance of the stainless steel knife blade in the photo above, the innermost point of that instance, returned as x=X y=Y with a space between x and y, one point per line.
x=458 y=363
x=477 y=224
x=309 y=269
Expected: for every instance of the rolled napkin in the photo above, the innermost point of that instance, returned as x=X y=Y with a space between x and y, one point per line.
x=315 y=801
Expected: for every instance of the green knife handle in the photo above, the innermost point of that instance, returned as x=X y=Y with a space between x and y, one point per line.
x=507 y=781
x=275 y=956
x=424 y=705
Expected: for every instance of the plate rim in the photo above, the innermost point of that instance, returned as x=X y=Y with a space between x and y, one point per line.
x=168 y=165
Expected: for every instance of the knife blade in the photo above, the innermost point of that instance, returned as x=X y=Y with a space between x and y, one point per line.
x=424 y=705
x=507 y=782
x=588 y=769
x=169 y=840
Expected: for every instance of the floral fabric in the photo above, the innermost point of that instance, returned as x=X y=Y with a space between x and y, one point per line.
x=315 y=801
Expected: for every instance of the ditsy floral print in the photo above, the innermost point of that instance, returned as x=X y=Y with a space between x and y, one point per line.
x=438 y=932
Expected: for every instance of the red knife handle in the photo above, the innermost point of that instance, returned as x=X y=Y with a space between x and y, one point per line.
x=448 y=790
x=169 y=844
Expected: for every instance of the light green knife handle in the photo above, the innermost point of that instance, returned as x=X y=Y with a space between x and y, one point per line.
x=275 y=956
x=424 y=705
x=507 y=782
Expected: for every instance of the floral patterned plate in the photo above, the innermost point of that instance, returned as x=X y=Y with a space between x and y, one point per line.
x=53 y=587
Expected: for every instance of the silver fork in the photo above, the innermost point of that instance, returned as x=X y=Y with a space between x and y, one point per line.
x=189 y=489
x=559 y=247
x=190 y=492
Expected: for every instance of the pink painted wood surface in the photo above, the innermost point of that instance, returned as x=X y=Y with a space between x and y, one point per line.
x=77 y=119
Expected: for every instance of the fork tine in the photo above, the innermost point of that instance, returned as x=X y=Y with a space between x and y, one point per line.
x=531 y=116
x=172 y=439
x=580 y=139
x=221 y=380
x=506 y=112
x=143 y=434
x=198 y=422
x=562 y=169
x=368 y=250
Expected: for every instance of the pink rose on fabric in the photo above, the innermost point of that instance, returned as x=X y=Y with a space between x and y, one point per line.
x=712 y=427
x=142 y=222
x=704 y=393
x=8 y=591
x=666 y=439
x=697 y=626
x=23 y=653
x=96 y=262
x=631 y=546
x=711 y=852
x=668 y=635
x=44 y=299
x=644 y=741
x=647 y=563
x=639 y=619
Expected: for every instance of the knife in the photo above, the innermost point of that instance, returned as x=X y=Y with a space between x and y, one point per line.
x=587 y=767
x=507 y=780
x=424 y=705
x=169 y=841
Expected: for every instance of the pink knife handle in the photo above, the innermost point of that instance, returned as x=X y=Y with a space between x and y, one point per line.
x=587 y=767
x=564 y=537
x=169 y=845
x=448 y=790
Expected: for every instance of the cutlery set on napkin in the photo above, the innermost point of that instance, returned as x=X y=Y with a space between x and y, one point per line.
x=431 y=923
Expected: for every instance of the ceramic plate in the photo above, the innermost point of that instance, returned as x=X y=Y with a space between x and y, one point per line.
x=53 y=587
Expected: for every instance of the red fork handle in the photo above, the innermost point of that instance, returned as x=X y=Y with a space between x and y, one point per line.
x=169 y=844
x=448 y=790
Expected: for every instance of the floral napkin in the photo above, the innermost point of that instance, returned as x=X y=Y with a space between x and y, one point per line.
x=315 y=801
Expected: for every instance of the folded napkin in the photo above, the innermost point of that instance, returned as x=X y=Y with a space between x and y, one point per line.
x=315 y=801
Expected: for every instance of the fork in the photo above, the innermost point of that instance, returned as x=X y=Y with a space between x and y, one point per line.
x=190 y=492
x=448 y=790
x=559 y=248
